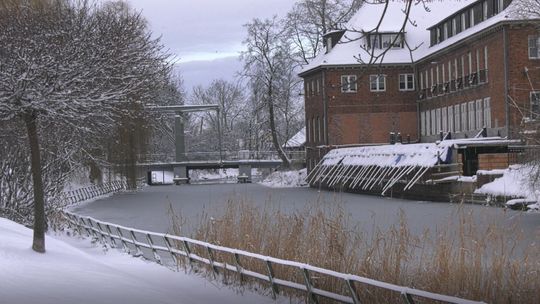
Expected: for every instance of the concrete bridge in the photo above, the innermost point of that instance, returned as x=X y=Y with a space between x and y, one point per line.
x=244 y=161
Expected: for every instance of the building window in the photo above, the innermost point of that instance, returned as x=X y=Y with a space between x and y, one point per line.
x=433 y=123
x=444 y=115
x=428 y=123
x=377 y=83
x=318 y=129
x=318 y=86
x=312 y=129
x=457 y=119
x=438 y=121
x=487 y=112
x=485 y=10
x=385 y=41
x=471 y=15
x=479 y=115
x=534 y=47
x=535 y=105
x=451 y=119
x=423 y=123
x=406 y=82
x=472 y=124
x=464 y=117
x=348 y=84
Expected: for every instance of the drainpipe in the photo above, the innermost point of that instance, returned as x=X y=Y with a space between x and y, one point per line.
x=506 y=107
x=418 y=116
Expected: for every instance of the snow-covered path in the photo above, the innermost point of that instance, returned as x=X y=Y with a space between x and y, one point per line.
x=75 y=271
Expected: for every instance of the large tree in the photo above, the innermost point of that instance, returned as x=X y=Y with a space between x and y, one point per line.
x=76 y=66
x=269 y=65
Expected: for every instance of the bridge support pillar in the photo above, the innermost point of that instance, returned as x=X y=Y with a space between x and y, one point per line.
x=181 y=175
x=244 y=173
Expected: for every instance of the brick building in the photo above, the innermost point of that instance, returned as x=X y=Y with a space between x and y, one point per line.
x=452 y=69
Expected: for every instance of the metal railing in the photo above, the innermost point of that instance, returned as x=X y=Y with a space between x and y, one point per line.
x=134 y=241
x=226 y=155
x=83 y=194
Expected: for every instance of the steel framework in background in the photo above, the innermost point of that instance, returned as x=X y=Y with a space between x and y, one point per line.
x=177 y=247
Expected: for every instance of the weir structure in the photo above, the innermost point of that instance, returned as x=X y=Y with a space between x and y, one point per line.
x=436 y=171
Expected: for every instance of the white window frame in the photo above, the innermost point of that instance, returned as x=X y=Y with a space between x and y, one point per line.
x=433 y=123
x=349 y=84
x=376 y=79
x=421 y=81
x=479 y=114
x=438 y=120
x=451 y=119
x=457 y=119
x=536 y=41
x=444 y=115
x=487 y=112
x=404 y=78
x=423 y=123
x=464 y=124
x=428 y=122
x=472 y=116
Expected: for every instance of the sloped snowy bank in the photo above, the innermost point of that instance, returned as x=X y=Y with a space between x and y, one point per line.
x=515 y=183
x=286 y=179
x=75 y=271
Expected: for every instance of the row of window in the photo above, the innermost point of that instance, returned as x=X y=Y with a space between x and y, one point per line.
x=377 y=83
x=314 y=132
x=456 y=74
x=465 y=19
x=467 y=116
x=313 y=87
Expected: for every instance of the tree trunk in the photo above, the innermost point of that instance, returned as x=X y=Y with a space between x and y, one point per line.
x=271 y=118
x=38 y=244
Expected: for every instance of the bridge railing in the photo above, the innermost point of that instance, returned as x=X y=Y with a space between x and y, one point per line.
x=226 y=156
x=219 y=258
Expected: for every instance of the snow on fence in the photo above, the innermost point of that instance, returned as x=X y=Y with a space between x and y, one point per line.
x=382 y=166
x=82 y=194
x=181 y=247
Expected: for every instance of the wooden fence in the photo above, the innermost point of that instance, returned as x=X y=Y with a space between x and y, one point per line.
x=136 y=241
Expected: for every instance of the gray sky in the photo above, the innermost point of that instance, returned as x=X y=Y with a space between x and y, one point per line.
x=205 y=29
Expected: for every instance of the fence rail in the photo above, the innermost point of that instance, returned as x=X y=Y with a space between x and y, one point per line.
x=134 y=241
x=226 y=155
x=82 y=194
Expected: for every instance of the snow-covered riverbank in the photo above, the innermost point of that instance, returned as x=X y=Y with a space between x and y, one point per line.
x=75 y=271
x=286 y=179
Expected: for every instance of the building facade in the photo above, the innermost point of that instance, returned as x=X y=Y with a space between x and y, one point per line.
x=454 y=70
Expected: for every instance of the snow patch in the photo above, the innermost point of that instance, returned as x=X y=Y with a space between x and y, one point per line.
x=75 y=271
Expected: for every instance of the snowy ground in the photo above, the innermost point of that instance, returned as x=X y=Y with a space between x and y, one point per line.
x=515 y=183
x=286 y=179
x=75 y=271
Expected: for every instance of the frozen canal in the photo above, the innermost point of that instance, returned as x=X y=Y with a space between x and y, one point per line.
x=148 y=209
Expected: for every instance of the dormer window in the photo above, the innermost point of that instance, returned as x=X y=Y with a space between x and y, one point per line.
x=385 y=40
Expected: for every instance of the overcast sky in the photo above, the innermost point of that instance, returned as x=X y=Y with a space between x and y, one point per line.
x=205 y=29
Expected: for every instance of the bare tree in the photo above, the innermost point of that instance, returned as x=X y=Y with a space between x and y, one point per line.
x=75 y=65
x=231 y=100
x=268 y=63
x=309 y=20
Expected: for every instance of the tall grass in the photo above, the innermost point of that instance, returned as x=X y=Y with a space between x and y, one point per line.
x=483 y=262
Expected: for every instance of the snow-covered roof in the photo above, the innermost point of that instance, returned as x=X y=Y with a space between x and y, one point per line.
x=298 y=140
x=352 y=48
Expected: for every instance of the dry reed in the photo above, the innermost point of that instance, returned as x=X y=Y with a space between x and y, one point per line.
x=468 y=260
